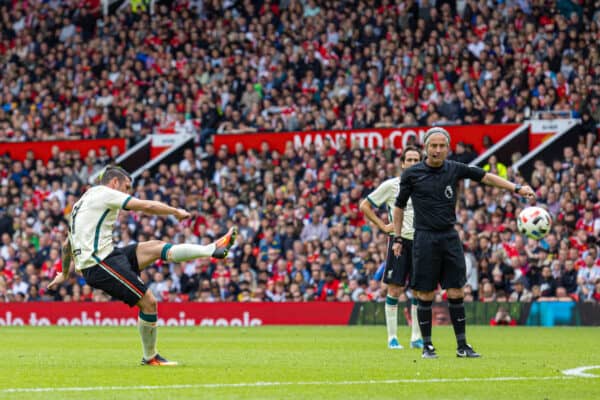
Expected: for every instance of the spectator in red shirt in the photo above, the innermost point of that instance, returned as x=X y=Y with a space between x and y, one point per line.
x=331 y=283
x=503 y=318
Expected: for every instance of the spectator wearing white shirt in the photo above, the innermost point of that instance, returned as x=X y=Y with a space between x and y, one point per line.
x=189 y=162
x=19 y=285
x=159 y=286
x=68 y=30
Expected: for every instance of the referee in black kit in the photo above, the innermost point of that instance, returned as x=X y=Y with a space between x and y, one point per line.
x=437 y=250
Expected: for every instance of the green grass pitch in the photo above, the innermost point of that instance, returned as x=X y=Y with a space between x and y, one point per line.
x=296 y=363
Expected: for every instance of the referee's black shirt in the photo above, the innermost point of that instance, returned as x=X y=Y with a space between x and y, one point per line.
x=433 y=192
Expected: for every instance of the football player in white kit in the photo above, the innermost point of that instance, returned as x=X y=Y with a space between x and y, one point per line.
x=116 y=270
x=397 y=269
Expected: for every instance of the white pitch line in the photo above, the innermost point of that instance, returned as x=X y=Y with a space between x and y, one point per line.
x=266 y=384
x=580 y=371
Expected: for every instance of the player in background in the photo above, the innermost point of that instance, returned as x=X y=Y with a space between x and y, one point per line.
x=397 y=268
x=116 y=270
x=437 y=250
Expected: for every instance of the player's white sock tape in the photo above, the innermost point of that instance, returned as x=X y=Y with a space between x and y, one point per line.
x=416 y=331
x=149 y=335
x=391 y=317
x=187 y=252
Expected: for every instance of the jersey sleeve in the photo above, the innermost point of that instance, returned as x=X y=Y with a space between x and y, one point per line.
x=406 y=189
x=115 y=199
x=470 y=172
x=380 y=195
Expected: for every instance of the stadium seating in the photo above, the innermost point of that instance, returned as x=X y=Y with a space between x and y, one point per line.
x=71 y=72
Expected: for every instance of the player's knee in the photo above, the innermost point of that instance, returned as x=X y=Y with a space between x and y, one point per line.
x=162 y=249
x=148 y=304
x=394 y=291
x=158 y=244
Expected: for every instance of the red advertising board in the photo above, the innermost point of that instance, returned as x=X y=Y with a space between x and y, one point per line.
x=367 y=138
x=41 y=150
x=161 y=142
x=176 y=314
x=542 y=130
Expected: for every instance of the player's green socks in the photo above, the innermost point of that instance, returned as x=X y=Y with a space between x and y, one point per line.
x=457 y=315
x=424 y=317
x=391 y=316
x=186 y=252
x=147 y=328
x=415 y=330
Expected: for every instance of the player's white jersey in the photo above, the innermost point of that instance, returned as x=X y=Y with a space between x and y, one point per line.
x=387 y=193
x=91 y=224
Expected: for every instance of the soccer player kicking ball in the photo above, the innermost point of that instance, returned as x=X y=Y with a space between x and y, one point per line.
x=437 y=250
x=116 y=270
x=397 y=268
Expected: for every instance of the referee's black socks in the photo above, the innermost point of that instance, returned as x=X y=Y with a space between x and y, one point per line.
x=457 y=315
x=424 y=317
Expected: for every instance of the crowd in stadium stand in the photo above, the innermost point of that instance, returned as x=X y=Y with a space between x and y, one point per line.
x=302 y=235
x=202 y=66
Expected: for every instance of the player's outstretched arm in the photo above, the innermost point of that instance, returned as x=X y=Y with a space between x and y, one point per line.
x=499 y=182
x=156 y=208
x=367 y=210
x=66 y=258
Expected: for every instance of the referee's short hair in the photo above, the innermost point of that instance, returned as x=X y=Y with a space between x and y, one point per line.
x=410 y=148
x=111 y=172
x=433 y=131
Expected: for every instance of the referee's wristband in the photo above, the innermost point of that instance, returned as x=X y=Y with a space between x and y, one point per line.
x=518 y=188
x=397 y=239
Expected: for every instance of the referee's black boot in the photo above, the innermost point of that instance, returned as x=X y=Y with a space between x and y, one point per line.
x=467 y=351
x=429 y=351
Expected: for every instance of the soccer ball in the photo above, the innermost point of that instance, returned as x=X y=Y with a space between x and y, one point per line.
x=535 y=222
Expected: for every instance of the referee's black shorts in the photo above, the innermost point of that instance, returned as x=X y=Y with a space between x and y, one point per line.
x=397 y=269
x=438 y=258
x=118 y=275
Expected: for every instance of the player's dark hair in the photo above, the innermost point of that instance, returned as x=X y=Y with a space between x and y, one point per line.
x=410 y=148
x=113 y=172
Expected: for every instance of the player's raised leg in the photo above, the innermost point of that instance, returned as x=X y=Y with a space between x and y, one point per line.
x=148 y=252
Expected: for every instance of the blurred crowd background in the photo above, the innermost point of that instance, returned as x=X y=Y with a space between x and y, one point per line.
x=223 y=66
x=209 y=68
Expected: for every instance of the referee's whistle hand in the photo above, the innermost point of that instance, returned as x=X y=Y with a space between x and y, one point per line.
x=397 y=249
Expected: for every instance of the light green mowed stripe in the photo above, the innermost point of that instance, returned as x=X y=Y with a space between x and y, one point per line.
x=294 y=363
